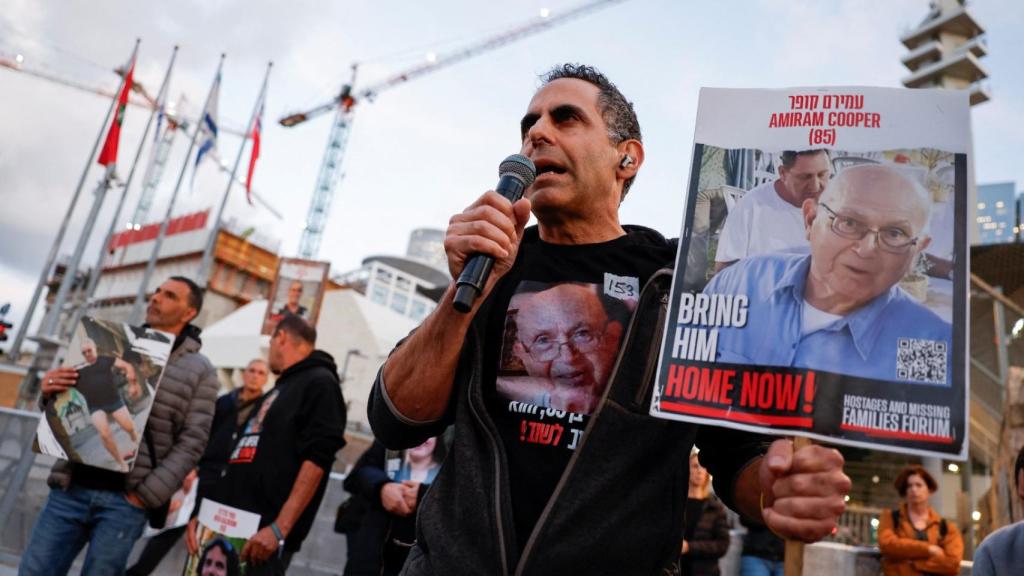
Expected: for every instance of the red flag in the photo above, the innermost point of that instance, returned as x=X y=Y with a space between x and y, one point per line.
x=108 y=155
x=255 y=153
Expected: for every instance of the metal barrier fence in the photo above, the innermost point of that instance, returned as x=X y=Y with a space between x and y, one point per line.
x=858 y=526
x=19 y=507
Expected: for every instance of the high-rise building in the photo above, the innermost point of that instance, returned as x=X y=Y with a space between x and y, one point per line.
x=243 y=266
x=410 y=285
x=1018 y=230
x=427 y=244
x=997 y=213
x=945 y=50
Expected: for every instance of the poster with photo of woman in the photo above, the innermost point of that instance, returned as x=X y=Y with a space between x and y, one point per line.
x=221 y=535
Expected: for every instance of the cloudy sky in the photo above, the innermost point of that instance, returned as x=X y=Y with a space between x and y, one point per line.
x=422 y=151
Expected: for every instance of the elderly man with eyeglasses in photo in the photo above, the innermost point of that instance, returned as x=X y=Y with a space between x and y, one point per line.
x=567 y=338
x=840 y=308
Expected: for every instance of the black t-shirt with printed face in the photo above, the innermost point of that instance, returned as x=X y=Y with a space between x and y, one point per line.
x=554 y=332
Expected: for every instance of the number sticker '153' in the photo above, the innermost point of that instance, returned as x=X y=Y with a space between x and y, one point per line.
x=621 y=287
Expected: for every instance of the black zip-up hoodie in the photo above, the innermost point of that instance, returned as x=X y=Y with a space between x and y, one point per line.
x=303 y=418
x=617 y=509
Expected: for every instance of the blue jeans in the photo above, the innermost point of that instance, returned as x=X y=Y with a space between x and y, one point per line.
x=754 y=566
x=76 y=517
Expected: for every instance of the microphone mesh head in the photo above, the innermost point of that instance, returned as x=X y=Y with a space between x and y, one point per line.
x=519 y=166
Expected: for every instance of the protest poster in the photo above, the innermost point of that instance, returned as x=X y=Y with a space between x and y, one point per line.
x=821 y=280
x=99 y=421
x=221 y=534
x=298 y=289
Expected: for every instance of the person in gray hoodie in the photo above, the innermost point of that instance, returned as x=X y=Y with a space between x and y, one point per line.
x=592 y=488
x=1002 y=552
x=108 y=510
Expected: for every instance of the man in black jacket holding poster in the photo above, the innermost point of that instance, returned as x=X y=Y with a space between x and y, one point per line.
x=284 y=452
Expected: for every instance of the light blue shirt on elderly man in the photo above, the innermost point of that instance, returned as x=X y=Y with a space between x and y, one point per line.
x=892 y=337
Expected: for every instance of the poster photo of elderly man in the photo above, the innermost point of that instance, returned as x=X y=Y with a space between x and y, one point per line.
x=99 y=421
x=820 y=285
x=851 y=302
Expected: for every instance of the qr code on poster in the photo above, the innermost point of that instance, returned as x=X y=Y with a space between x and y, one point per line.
x=921 y=360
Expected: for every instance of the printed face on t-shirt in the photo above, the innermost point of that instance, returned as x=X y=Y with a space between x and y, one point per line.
x=559 y=346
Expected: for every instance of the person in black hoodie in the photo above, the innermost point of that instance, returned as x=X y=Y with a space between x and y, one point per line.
x=280 y=462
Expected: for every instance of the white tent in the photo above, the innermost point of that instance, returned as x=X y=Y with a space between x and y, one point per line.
x=354 y=330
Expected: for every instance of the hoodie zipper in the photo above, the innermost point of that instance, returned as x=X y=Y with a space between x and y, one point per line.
x=653 y=351
x=502 y=550
x=521 y=566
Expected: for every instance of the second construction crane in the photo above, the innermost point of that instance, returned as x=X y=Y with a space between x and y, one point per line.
x=344 y=107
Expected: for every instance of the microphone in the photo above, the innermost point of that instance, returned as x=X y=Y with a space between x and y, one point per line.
x=515 y=174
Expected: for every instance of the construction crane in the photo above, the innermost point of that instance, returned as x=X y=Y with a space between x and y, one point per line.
x=155 y=169
x=143 y=100
x=344 y=108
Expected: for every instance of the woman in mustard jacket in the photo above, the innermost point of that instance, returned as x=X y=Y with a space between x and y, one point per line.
x=913 y=538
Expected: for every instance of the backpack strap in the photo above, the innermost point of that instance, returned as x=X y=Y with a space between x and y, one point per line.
x=943 y=526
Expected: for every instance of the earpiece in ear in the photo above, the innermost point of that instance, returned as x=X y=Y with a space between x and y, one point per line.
x=627 y=160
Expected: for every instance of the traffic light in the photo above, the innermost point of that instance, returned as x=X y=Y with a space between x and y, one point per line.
x=3 y=330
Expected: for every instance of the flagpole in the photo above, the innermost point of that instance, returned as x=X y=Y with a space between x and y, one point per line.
x=15 y=351
x=95 y=275
x=203 y=278
x=140 y=296
x=52 y=320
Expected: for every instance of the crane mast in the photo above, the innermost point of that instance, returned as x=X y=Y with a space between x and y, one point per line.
x=343 y=106
x=155 y=171
x=330 y=175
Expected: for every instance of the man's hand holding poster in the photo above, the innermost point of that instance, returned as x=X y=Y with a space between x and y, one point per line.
x=821 y=282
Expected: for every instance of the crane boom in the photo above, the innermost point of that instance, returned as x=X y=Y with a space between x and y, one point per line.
x=530 y=28
x=145 y=101
x=344 y=103
x=534 y=26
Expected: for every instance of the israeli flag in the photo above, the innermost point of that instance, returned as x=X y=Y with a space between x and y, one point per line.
x=208 y=127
